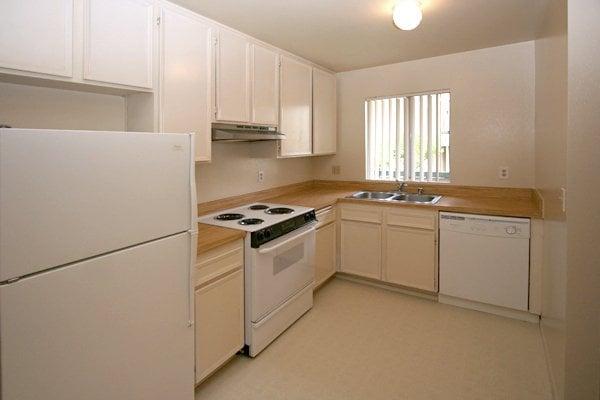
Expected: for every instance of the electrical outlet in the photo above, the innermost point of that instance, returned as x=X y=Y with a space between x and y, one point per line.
x=261 y=176
x=503 y=172
x=336 y=169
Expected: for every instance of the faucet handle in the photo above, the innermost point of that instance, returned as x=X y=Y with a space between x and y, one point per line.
x=420 y=190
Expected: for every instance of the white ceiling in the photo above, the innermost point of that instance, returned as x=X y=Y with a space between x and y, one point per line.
x=350 y=34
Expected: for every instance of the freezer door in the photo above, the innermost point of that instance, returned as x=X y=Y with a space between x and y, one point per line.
x=70 y=195
x=113 y=327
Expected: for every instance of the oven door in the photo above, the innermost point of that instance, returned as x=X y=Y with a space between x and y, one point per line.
x=279 y=269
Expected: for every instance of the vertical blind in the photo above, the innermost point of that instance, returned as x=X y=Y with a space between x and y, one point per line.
x=408 y=137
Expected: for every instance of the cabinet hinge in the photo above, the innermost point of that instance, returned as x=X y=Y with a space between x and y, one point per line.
x=158 y=20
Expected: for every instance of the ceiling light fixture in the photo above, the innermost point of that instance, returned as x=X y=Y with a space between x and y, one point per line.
x=407 y=14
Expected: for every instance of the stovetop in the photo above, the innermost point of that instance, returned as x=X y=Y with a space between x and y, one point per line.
x=254 y=217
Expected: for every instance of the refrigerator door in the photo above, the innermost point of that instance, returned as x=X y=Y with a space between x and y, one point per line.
x=69 y=195
x=112 y=327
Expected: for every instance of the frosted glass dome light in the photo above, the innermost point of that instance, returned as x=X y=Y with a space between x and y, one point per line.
x=407 y=14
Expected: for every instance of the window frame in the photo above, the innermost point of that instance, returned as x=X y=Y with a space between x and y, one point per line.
x=447 y=175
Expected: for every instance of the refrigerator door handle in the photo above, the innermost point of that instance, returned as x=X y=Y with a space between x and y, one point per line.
x=191 y=266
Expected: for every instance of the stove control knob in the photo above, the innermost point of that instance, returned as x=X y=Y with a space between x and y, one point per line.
x=267 y=233
x=511 y=230
x=260 y=236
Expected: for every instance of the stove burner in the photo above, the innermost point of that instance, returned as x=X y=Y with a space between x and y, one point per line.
x=251 y=221
x=279 y=210
x=259 y=207
x=229 y=217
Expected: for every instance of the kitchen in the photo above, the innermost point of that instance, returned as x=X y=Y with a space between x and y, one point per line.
x=356 y=207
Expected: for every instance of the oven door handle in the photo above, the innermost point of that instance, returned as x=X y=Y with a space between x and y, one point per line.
x=269 y=249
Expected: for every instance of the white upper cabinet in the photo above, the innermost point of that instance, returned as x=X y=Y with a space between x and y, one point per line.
x=295 y=108
x=118 y=43
x=232 y=77
x=324 y=113
x=265 y=86
x=185 y=84
x=37 y=36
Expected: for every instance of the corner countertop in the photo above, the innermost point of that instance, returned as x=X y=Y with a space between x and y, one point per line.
x=321 y=197
x=488 y=201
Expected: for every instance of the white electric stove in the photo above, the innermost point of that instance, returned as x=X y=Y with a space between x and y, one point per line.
x=279 y=266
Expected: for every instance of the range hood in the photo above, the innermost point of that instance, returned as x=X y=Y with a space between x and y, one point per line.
x=244 y=133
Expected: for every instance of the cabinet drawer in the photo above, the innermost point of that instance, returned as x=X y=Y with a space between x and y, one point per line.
x=412 y=218
x=325 y=216
x=361 y=213
x=219 y=261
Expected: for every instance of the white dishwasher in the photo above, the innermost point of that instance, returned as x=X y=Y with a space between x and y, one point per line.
x=485 y=259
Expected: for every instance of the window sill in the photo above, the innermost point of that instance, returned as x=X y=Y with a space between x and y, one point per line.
x=444 y=182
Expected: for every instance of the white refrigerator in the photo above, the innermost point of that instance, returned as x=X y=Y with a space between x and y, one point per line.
x=97 y=246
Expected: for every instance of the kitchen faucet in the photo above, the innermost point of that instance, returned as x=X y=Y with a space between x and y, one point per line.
x=401 y=186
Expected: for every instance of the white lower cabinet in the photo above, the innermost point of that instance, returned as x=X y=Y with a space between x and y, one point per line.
x=219 y=307
x=361 y=249
x=361 y=240
x=410 y=257
x=325 y=253
x=392 y=244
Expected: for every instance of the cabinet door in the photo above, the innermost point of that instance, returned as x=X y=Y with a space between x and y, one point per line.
x=36 y=36
x=324 y=113
x=118 y=42
x=185 y=90
x=265 y=86
x=295 y=108
x=361 y=249
x=219 y=323
x=410 y=257
x=325 y=253
x=232 y=77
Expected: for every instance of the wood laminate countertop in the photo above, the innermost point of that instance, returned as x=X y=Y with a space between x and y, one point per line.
x=503 y=206
x=211 y=236
x=322 y=195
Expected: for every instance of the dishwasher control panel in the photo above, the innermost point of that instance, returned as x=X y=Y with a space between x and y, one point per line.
x=486 y=225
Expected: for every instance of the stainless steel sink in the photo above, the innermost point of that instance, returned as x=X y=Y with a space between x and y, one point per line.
x=399 y=197
x=416 y=198
x=372 y=195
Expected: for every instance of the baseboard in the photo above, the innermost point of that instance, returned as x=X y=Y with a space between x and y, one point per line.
x=386 y=286
x=488 y=308
x=551 y=376
x=326 y=281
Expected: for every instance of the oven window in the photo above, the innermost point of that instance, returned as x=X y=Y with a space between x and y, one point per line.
x=288 y=258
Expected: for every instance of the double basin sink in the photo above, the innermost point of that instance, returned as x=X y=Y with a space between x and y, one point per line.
x=397 y=196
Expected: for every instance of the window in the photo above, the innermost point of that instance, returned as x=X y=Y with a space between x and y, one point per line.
x=408 y=137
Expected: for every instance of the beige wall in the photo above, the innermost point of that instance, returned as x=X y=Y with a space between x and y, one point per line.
x=24 y=106
x=550 y=177
x=492 y=112
x=235 y=165
x=582 y=355
x=568 y=155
